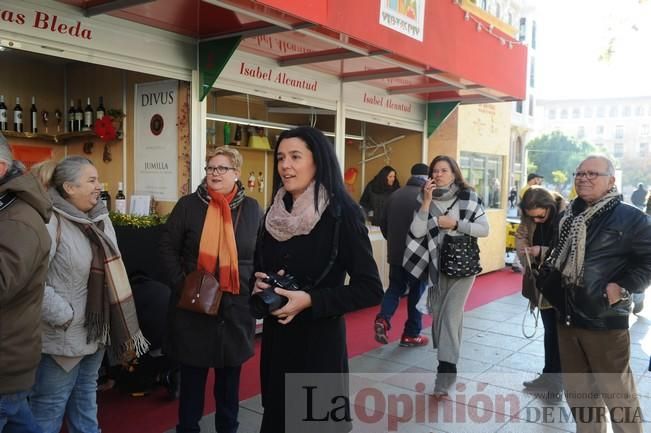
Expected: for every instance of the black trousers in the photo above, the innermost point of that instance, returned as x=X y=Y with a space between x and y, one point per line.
x=552 y=353
x=191 y=399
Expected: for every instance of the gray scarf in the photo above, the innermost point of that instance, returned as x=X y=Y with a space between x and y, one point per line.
x=569 y=255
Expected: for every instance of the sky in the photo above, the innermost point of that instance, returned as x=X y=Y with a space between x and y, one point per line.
x=574 y=34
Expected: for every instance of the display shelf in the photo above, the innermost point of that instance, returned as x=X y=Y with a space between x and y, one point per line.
x=252 y=149
x=55 y=138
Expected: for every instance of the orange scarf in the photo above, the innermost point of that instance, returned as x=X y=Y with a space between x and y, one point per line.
x=217 y=243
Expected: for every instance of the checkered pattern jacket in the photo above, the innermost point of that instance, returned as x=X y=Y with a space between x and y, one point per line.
x=421 y=254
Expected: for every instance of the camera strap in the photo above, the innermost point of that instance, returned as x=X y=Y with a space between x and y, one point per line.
x=334 y=251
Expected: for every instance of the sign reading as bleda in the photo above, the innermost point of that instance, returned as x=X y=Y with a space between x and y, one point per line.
x=156 y=140
x=404 y=16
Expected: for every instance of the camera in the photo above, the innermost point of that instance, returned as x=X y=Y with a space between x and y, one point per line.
x=262 y=304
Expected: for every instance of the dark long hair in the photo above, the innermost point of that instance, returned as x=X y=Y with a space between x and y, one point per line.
x=379 y=183
x=328 y=173
x=538 y=197
x=458 y=176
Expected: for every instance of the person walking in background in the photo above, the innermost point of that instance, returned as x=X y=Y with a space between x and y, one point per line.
x=83 y=311
x=602 y=255
x=399 y=212
x=448 y=206
x=639 y=197
x=315 y=233
x=540 y=209
x=24 y=246
x=532 y=179
x=377 y=192
x=215 y=226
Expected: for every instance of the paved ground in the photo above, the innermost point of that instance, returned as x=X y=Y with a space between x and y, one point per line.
x=489 y=398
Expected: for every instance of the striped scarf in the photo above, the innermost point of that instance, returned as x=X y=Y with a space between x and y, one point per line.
x=111 y=316
x=421 y=257
x=217 y=244
x=569 y=254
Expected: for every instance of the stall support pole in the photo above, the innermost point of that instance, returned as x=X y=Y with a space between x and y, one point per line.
x=340 y=130
x=198 y=132
x=425 y=144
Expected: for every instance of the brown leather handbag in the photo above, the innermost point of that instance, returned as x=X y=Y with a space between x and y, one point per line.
x=201 y=293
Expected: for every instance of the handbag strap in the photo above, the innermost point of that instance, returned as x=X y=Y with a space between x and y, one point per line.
x=237 y=217
x=456 y=199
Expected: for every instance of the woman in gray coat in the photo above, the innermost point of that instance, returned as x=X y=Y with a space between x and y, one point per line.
x=200 y=341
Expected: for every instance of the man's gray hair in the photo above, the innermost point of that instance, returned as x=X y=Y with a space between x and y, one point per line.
x=5 y=151
x=609 y=163
x=68 y=170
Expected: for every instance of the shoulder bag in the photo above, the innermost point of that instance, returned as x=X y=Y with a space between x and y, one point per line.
x=201 y=293
x=459 y=256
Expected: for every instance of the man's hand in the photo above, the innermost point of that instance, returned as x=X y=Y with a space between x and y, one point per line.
x=613 y=293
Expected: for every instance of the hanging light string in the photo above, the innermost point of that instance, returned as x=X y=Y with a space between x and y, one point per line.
x=488 y=28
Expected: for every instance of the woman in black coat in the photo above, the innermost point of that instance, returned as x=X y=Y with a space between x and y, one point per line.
x=314 y=232
x=199 y=341
x=377 y=192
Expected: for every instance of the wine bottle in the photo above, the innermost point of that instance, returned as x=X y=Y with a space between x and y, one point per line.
x=100 y=109
x=238 y=135
x=71 y=116
x=105 y=197
x=79 y=116
x=18 y=116
x=88 y=116
x=33 y=116
x=227 y=133
x=4 y=125
x=120 y=200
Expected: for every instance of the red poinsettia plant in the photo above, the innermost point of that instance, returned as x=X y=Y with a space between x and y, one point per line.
x=104 y=128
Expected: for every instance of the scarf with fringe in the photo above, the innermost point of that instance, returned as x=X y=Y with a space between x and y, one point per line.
x=111 y=317
x=569 y=254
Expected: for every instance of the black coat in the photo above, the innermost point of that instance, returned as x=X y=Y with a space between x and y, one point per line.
x=197 y=339
x=398 y=215
x=315 y=340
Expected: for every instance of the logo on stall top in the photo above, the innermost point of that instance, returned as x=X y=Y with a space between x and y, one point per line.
x=6 y=200
x=156 y=124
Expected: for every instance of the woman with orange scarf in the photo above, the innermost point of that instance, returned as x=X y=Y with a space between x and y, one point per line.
x=214 y=229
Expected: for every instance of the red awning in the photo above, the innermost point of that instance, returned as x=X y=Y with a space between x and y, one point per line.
x=462 y=57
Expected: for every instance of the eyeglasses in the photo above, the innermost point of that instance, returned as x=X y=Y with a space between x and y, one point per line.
x=590 y=175
x=539 y=216
x=220 y=169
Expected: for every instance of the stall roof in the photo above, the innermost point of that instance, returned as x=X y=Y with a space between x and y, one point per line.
x=465 y=55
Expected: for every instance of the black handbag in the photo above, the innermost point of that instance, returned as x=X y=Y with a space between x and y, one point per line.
x=549 y=282
x=460 y=256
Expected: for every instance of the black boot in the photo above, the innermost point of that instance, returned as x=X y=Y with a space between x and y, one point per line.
x=445 y=377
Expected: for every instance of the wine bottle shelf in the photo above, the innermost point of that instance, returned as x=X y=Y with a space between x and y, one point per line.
x=55 y=138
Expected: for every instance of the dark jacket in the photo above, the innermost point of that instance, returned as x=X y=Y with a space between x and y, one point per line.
x=638 y=197
x=398 y=214
x=196 y=339
x=24 y=248
x=374 y=199
x=315 y=340
x=618 y=249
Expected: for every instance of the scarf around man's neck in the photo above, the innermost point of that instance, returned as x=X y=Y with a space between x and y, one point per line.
x=217 y=245
x=283 y=225
x=111 y=317
x=569 y=254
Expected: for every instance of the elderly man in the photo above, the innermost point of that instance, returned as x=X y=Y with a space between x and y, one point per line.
x=24 y=248
x=603 y=253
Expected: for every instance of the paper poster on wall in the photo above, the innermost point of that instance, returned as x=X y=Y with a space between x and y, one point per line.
x=156 y=140
x=404 y=16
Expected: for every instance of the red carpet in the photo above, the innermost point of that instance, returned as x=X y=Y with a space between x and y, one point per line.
x=119 y=413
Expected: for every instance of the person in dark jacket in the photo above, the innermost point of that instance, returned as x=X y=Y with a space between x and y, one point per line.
x=603 y=254
x=377 y=192
x=395 y=224
x=199 y=234
x=314 y=232
x=24 y=246
x=638 y=197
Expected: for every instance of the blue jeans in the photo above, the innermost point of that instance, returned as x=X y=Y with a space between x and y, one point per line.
x=399 y=280
x=74 y=394
x=191 y=400
x=15 y=414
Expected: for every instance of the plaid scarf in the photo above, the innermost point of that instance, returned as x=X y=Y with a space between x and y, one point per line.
x=569 y=254
x=217 y=244
x=111 y=317
x=421 y=258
